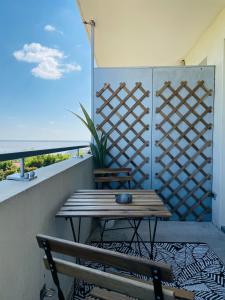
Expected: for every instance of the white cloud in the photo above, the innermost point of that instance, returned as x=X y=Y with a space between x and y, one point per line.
x=51 y=28
x=49 y=61
x=36 y=53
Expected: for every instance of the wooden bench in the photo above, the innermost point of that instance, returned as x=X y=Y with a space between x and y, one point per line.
x=109 y=175
x=113 y=286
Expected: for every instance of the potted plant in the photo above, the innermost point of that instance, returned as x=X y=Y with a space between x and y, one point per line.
x=98 y=149
x=99 y=146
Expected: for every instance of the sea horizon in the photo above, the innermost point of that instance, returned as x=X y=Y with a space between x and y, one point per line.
x=17 y=145
x=41 y=140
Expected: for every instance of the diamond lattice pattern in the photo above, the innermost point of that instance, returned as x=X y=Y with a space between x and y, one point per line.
x=184 y=164
x=124 y=116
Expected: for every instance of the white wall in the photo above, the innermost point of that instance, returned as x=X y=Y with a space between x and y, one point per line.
x=27 y=209
x=211 y=46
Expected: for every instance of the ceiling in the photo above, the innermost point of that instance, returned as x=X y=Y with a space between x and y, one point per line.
x=147 y=32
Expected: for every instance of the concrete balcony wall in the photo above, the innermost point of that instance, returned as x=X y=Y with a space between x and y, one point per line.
x=28 y=208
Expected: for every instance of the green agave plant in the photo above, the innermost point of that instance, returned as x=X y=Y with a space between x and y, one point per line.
x=99 y=147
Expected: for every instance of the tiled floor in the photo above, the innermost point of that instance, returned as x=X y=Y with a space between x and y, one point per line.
x=172 y=231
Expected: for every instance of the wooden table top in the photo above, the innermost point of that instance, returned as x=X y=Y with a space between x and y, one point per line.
x=101 y=203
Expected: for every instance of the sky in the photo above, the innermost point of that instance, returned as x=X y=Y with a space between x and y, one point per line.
x=44 y=70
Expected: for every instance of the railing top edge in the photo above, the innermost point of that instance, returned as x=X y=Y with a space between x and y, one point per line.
x=29 y=153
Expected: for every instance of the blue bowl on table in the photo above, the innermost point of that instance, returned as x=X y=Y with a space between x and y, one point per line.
x=123 y=198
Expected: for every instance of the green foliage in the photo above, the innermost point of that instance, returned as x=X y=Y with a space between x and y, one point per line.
x=44 y=160
x=6 y=165
x=31 y=163
x=99 y=147
x=7 y=168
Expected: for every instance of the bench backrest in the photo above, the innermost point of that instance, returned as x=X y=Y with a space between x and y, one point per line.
x=106 y=257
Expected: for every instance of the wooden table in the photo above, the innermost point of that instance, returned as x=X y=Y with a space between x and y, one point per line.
x=146 y=205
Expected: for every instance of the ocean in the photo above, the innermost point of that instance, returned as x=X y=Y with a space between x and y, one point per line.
x=8 y=146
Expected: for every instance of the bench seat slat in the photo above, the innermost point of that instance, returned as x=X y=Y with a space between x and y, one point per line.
x=103 y=294
x=112 y=178
x=112 y=171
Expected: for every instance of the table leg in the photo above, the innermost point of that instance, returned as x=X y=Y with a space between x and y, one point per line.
x=135 y=227
x=73 y=229
x=102 y=233
x=79 y=227
x=140 y=238
x=76 y=237
x=138 y=241
x=152 y=235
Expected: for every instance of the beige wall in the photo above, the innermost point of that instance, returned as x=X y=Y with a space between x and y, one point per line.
x=211 y=46
x=27 y=209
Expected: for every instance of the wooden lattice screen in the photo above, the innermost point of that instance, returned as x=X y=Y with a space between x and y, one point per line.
x=159 y=122
x=122 y=111
x=183 y=158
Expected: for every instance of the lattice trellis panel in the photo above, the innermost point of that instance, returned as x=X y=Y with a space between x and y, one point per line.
x=183 y=147
x=161 y=127
x=123 y=112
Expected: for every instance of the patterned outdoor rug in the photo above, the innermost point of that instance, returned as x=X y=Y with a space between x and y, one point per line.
x=195 y=267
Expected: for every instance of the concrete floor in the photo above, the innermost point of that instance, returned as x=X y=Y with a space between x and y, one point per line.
x=172 y=231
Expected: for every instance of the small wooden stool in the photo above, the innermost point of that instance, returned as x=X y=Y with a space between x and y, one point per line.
x=108 y=175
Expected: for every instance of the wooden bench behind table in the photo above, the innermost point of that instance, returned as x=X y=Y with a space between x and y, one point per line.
x=106 y=176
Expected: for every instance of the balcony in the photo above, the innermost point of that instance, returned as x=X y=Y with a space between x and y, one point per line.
x=165 y=124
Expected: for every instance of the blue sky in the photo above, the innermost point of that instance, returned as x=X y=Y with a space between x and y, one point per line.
x=44 y=70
